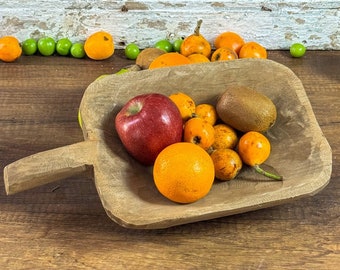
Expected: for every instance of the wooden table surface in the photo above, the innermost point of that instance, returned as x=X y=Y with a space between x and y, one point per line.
x=63 y=225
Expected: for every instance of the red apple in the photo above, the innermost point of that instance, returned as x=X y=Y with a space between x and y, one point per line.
x=147 y=124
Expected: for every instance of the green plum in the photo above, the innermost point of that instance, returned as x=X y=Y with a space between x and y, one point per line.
x=164 y=45
x=177 y=45
x=297 y=50
x=77 y=50
x=29 y=46
x=132 y=51
x=63 y=46
x=46 y=46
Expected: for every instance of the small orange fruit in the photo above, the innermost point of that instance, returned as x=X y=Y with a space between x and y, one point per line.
x=207 y=112
x=199 y=132
x=252 y=50
x=227 y=164
x=168 y=60
x=230 y=40
x=10 y=49
x=223 y=54
x=253 y=148
x=198 y=58
x=196 y=43
x=99 y=45
x=225 y=137
x=185 y=104
x=183 y=172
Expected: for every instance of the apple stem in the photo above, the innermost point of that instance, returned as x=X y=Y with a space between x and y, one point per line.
x=134 y=108
x=274 y=176
x=198 y=27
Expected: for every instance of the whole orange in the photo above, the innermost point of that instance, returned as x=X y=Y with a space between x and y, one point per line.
x=183 y=172
x=168 y=60
x=198 y=58
x=99 y=45
x=230 y=40
x=10 y=49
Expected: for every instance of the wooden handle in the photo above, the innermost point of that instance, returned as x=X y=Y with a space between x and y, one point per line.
x=48 y=166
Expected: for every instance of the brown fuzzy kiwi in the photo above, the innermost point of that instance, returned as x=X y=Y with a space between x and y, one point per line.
x=246 y=109
x=147 y=55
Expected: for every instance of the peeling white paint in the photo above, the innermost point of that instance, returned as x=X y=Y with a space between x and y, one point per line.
x=273 y=23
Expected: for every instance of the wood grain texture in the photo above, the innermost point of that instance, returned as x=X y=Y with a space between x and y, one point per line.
x=276 y=24
x=63 y=225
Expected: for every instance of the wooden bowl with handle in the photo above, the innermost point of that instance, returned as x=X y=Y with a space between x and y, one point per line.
x=300 y=152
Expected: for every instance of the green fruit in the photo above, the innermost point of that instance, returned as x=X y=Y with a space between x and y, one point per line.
x=121 y=71
x=80 y=120
x=46 y=46
x=132 y=51
x=77 y=50
x=297 y=50
x=164 y=45
x=177 y=44
x=101 y=77
x=29 y=46
x=63 y=46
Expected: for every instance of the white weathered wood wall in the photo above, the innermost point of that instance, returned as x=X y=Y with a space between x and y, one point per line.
x=276 y=24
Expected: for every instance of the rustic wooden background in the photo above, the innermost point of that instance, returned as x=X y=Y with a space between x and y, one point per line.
x=276 y=24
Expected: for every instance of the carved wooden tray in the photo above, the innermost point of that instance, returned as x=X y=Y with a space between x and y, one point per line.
x=300 y=152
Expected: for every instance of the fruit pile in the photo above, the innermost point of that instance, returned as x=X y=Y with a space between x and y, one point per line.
x=98 y=46
x=195 y=48
x=191 y=145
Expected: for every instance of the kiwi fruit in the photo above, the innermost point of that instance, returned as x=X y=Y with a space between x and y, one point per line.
x=146 y=56
x=246 y=109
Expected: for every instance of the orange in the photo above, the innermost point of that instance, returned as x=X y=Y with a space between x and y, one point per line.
x=183 y=172
x=253 y=50
x=185 y=104
x=227 y=164
x=253 y=148
x=225 y=137
x=196 y=43
x=230 y=40
x=207 y=112
x=198 y=58
x=223 y=54
x=199 y=132
x=169 y=60
x=99 y=45
x=10 y=49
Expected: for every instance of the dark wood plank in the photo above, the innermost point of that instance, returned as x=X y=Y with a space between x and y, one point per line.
x=63 y=225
